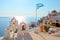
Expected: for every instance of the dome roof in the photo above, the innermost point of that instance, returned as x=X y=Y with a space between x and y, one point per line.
x=54 y=11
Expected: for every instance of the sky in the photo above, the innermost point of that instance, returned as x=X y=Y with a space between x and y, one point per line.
x=27 y=7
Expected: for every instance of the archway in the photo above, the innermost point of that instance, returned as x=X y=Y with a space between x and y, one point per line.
x=23 y=26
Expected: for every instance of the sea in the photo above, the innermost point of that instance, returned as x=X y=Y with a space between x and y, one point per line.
x=4 y=22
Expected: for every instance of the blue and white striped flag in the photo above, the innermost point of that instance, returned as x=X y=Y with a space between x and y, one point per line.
x=39 y=5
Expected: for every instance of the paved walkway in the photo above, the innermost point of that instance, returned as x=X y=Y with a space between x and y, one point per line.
x=33 y=36
x=27 y=36
x=49 y=37
x=43 y=36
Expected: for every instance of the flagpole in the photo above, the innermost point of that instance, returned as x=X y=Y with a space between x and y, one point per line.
x=37 y=7
x=36 y=14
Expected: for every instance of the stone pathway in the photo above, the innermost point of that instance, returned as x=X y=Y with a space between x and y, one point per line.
x=33 y=36
x=27 y=36
x=49 y=37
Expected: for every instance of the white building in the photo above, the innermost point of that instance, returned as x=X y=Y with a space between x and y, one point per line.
x=15 y=26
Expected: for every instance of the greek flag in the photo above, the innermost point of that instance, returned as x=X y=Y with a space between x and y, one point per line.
x=39 y=5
